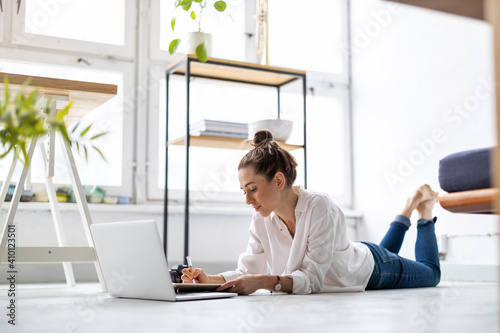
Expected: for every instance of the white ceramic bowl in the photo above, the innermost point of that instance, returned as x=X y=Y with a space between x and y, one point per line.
x=281 y=129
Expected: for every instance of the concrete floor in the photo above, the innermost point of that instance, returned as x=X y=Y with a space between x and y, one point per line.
x=450 y=307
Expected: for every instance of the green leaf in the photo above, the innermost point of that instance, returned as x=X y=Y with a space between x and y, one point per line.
x=186 y=4
x=25 y=153
x=32 y=97
x=183 y=4
x=85 y=131
x=193 y=15
x=64 y=111
x=173 y=46
x=98 y=135
x=172 y=23
x=198 y=1
x=201 y=52
x=86 y=153
x=220 y=6
x=76 y=126
x=100 y=152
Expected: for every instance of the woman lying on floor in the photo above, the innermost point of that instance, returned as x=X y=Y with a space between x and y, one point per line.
x=300 y=237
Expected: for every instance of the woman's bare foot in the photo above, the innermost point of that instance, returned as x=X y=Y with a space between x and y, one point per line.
x=423 y=194
x=424 y=209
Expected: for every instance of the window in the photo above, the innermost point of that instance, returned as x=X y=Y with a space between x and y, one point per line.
x=228 y=39
x=109 y=117
x=125 y=42
x=328 y=144
x=220 y=101
x=308 y=35
x=48 y=18
x=85 y=41
x=58 y=24
x=327 y=104
x=328 y=141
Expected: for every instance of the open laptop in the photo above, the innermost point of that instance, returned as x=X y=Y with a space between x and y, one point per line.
x=134 y=265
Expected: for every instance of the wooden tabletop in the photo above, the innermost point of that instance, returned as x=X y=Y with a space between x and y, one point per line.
x=86 y=96
x=229 y=70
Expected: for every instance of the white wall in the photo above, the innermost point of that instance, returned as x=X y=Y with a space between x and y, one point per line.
x=421 y=90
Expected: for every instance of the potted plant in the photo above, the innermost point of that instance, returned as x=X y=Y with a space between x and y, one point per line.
x=21 y=120
x=199 y=42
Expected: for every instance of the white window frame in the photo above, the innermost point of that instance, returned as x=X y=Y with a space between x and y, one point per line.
x=154 y=193
x=156 y=54
x=2 y=20
x=160 y=59
x=342 y=95
x=127 y=51
x=342 y=78
x=127 y=69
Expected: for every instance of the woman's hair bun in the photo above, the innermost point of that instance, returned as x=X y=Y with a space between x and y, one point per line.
x=262 y=136
x=267 y=158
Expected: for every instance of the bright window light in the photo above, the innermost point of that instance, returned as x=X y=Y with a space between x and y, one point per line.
x=90 y=20
x=107 y=117
x=326 y=146
x=306 y=35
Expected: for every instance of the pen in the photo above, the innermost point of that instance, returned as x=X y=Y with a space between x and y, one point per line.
x=190 y=264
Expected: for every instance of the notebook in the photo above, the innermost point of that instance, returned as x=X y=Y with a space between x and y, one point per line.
x=134 y=266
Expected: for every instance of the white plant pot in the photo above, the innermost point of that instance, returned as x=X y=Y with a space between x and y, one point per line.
x=193 y=39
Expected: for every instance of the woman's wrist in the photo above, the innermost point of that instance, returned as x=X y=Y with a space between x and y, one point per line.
x=269 y=281
x=216 y=279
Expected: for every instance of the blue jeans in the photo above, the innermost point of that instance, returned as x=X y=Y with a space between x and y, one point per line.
x=393 y=271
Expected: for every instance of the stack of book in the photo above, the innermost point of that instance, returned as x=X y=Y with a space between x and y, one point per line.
x=219 y=128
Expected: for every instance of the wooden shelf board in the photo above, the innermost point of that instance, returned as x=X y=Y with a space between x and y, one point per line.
x=86 y=96
x=224 y=143
x=467 y=8
x=232 y=71
x=475 y=201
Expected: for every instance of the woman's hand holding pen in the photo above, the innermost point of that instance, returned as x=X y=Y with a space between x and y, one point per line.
x=190 y=275
x=197 y=276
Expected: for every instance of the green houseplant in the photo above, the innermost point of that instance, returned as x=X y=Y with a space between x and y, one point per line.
x=194 y=10
x=21 y=120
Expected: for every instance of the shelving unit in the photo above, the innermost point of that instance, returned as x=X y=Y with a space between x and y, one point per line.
x=229 y=71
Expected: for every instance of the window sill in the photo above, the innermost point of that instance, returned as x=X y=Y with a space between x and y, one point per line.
x=155 y=208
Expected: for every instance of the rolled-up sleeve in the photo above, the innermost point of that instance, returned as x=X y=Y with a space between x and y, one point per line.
x=252 y=261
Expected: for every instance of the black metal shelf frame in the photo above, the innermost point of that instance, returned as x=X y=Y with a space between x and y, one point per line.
x=187 y=63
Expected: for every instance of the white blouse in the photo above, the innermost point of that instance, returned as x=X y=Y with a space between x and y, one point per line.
x=319 y=258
